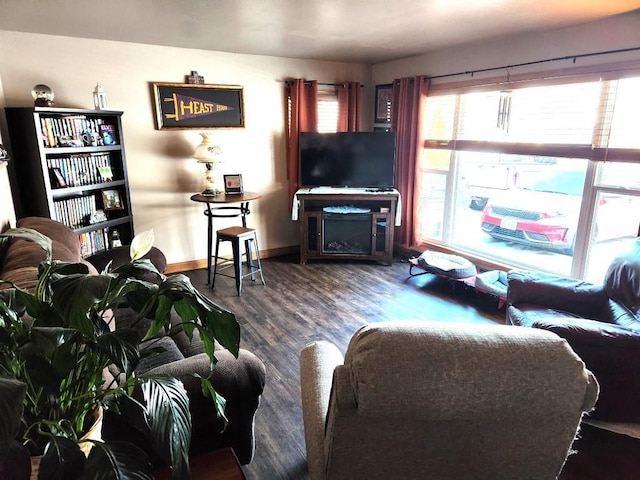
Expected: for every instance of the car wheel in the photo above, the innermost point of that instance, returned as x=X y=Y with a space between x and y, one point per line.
x=478 y=203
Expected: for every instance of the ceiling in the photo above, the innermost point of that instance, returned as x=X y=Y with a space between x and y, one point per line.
x=364 y=31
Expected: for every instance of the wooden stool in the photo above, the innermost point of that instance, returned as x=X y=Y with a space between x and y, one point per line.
x=235 y=235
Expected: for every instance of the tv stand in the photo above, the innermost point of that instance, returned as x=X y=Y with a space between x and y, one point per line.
x=346 y=223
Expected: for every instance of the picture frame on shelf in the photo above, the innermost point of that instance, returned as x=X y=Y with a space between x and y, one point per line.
x=233 y=184
x=383 y=100
x=111 y=200
x=180 y=106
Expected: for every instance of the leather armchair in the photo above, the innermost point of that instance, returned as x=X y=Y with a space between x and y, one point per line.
x=440 y=400
x=601 y=322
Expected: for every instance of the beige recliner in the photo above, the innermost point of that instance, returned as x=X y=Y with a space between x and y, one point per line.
x=433 y=400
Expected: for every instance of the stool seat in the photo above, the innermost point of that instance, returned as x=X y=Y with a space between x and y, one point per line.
x=235 y=235
x=235 y=232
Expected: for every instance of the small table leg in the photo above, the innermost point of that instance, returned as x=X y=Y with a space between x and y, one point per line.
x=209 y=243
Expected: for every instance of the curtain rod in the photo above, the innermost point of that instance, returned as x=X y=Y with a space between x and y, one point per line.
x=289 y=83
x=535 y=62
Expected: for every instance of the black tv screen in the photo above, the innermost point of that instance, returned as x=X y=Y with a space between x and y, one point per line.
x=347 y=159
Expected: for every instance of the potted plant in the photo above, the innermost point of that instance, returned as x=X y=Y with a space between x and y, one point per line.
x=57 y=341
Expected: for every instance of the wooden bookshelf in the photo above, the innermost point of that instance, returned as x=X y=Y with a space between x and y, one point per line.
x=70 y=165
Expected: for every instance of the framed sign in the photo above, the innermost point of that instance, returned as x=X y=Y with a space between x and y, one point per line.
x=181 y=106
x=232 y=184
x=384 y=96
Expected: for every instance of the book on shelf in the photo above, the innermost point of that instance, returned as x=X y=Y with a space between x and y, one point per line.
x=81 y=169
x=75 y=212
x=93 y=242
x=66 y=131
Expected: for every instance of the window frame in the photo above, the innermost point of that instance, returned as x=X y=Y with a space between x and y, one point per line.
x=594 y=153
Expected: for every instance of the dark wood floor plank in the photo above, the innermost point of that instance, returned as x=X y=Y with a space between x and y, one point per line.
x=323 y=301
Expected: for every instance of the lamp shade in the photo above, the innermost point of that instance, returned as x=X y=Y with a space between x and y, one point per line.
x=207 y=151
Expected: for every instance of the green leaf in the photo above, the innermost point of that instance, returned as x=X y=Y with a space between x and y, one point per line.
x=41 y=374
x=225 y=329
x=135 y=268
x=134 y=413
x=142 y=297
x=68 y=268
x=187 y=310
x=46 y=339
x=12 y=394
x=118 y=461
x=75 y=295
x=220 y=402
x=43 y=313
x=62 y=460
x=11 y=309
x=121 y=346
x=169 y=419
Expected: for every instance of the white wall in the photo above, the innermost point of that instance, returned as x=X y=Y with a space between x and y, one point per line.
x=619 y=32
x=7 y=212
x=162 y=173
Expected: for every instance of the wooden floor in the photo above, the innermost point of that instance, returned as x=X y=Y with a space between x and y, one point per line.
x=324 y=301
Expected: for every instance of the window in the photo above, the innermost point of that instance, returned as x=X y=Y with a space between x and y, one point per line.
x=327 y=109
x=543 y=176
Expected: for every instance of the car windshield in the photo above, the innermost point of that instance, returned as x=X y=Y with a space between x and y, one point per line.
x=566 y=183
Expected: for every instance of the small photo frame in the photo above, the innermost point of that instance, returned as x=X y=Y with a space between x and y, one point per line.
x=384 y=97
x=111 y=200
x=233 y=184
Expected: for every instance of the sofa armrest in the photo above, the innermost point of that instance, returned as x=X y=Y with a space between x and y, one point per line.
x=240 y=381
x=318 y=360
x=611 y=353
x=556 y=292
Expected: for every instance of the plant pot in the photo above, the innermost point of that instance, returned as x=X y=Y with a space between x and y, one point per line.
x=94 y=433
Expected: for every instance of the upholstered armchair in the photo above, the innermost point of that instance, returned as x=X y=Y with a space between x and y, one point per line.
x=419 y=399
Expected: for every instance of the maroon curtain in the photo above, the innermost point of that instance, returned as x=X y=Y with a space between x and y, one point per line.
x=409 y=95
x=302 y=116
x=349 y=107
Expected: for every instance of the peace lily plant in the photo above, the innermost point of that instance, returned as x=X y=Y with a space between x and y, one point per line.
x=55 y=344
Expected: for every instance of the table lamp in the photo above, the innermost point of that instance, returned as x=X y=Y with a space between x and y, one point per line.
x=209 y=154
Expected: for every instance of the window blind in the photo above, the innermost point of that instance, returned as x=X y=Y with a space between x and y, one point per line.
x=327 y=109
x=594 y=120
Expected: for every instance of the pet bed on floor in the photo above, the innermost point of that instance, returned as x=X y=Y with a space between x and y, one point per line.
x=444 y=264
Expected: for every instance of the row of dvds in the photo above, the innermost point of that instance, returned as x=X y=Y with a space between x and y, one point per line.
x=68 y=131
x=75 y=212
x=80 y=169
x=93 y=242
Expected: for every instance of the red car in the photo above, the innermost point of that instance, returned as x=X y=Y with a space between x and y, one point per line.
x=543 y=215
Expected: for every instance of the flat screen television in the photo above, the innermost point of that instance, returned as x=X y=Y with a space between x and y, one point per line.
x=347 y=159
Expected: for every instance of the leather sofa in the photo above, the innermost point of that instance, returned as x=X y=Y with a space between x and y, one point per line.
x=240 y=381
x=601 y=322
x=442 y=400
